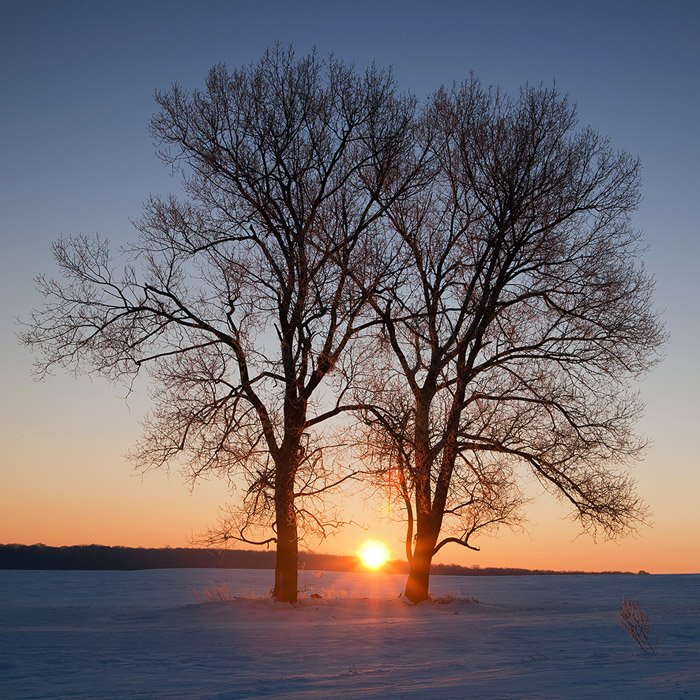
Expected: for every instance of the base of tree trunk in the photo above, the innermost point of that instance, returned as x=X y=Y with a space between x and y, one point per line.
x=418 y=583
x=286 y=588
x=286 y=567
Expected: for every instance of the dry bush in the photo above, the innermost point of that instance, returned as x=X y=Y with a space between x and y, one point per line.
x=635 y=620
x=452 y=598
x=216 y=593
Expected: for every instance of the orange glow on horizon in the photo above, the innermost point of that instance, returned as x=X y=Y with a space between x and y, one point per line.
x=373 y=554
x=82 y=492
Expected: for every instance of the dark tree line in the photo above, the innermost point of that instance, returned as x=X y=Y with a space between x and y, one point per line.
x=92 y=557
x=462 y=279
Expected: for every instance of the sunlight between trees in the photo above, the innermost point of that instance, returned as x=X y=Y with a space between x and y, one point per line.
x=458 y=280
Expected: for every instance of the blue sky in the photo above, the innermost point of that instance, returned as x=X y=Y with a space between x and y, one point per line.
x=77 y=83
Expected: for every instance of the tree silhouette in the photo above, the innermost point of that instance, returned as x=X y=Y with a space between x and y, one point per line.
x=518 y=316
x=465 y=280
x=241 y=297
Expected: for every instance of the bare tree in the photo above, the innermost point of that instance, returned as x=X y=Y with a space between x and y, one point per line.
x=520 y=316
x=241 y=297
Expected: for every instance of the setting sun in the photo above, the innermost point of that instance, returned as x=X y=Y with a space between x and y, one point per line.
x=373 y=554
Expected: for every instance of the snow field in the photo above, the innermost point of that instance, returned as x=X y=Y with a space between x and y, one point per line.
x=144 y=635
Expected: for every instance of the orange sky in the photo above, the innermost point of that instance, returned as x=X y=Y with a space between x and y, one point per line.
x=65 y=483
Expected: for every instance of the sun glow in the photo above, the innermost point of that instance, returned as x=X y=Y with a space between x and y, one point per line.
x=373 y=554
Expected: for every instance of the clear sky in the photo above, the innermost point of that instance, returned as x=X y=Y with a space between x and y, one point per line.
x=77 y=80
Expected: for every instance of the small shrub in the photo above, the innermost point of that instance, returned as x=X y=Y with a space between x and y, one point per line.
x=635 y=620
x=217 y=593
x=452 y=598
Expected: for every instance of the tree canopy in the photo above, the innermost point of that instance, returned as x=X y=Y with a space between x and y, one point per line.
x=515 y=325
x=462 y=278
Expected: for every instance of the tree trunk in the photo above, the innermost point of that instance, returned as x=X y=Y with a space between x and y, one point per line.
x=287 y=559
x=418 y=583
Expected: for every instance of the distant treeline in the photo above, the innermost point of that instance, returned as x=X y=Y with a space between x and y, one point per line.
x=98 y=557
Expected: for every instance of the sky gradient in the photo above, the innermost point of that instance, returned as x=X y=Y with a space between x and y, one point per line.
x=78 y=80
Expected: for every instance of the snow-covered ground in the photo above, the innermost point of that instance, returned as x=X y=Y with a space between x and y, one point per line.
x=144 y=635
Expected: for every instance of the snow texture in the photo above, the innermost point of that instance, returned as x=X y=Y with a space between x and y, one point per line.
x=69 y=634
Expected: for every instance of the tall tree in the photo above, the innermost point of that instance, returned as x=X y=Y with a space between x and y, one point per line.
x=241 y=297
x=520 y=316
